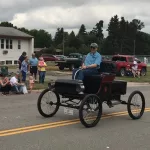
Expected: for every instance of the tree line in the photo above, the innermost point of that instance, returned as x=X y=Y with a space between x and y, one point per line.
x=124 y=37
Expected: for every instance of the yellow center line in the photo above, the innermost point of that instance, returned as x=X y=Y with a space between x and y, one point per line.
x=57 y=124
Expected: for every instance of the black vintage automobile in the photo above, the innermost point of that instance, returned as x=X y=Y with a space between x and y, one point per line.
x=88 y=96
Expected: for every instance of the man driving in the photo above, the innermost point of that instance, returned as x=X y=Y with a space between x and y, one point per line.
x=90 y=65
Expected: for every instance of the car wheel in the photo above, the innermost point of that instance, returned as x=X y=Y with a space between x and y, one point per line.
x=71 y=67
x=143 y=72
x=61 y=67
x=122 y=72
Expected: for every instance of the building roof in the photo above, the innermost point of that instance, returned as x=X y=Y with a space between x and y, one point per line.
x=12 y=32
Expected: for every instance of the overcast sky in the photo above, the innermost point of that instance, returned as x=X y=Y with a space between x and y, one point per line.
x=70 y=14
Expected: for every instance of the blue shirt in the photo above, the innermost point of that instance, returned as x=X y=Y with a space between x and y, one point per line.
x=21 y=58
x=24 y=66
x=33 y=61
x=93 y=59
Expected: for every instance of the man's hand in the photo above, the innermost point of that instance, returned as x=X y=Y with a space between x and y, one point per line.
x=83 y=67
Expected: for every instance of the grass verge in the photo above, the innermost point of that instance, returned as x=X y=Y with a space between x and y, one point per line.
x=51 y=67
x=128 y=79
x=38 y=86
x=141 y=79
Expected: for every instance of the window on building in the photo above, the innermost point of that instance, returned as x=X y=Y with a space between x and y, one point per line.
x=15 y=62
x=8 y=62
x=9 y=44
x=19 y=44
x=2 y=43
x=2 y=62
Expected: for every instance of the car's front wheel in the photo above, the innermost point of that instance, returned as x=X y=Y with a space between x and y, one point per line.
x=143 y=72
x=122 y=72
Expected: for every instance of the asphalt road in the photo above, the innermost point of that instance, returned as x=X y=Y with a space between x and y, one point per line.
x=62 y=132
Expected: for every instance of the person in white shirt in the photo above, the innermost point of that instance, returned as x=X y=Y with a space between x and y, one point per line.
x=135 y=70
x=16 y=85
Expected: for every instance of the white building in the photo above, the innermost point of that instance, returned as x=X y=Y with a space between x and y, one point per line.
x=12 y=43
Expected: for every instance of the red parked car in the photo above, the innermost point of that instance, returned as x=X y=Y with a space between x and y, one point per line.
x=124 y=62
x=49 y=57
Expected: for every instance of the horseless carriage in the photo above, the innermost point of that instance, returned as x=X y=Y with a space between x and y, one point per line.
x=88 y=96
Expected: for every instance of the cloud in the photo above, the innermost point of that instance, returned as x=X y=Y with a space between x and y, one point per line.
x=50 y=14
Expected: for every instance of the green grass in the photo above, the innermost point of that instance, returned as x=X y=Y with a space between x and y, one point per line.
x=141 y=79
x=51 y=67
x=38 y=86
x=128 y=79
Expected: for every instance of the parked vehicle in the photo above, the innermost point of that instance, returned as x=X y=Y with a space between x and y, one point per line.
x=72 y=61
x=49 y=57
x=60 y=57
x=124 y=62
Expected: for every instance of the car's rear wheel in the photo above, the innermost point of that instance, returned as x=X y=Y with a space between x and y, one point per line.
x=136 y=105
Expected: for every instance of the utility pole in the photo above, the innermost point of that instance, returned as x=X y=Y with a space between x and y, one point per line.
x=134 y=48
x=121 y=46
x=63 y=42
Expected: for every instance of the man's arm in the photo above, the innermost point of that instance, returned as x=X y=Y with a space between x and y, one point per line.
x=92 y=66
x=96 y=63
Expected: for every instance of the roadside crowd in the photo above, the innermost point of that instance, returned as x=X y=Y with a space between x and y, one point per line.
x=27 y=66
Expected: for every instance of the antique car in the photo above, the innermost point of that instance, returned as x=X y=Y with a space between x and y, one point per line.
x=88 y=96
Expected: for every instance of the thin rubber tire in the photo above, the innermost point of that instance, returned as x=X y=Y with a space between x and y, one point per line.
x=129 y=105
x=39 y=103
x=81 y=110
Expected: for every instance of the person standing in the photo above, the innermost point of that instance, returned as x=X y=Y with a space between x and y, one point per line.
x=42 y=69
x=24 y=69
x=33 y=62
x=21 y=59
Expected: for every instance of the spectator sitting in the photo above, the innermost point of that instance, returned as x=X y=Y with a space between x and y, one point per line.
x=5 y=86
x=135 y=70
x=17 y=87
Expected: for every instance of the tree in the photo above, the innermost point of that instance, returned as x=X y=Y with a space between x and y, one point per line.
x=24 y=30
x=138 y=24
x=43 y=39
x=123 y=25
x=73 y=41
x=58 y=39
x=6 y=24
x=113 y=26
x=82 y=30
x=97 y=31
x=113 y=33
